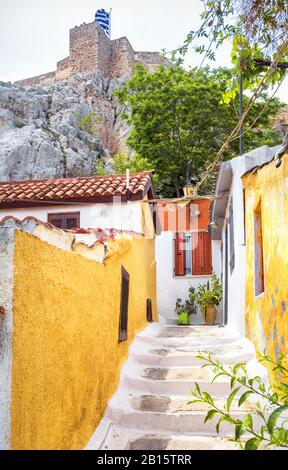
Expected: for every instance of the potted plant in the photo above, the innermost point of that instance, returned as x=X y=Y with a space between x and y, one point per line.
x=208 y=298
x=187 y=308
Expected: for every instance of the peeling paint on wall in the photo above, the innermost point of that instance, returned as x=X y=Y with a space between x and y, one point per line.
x=268 y=184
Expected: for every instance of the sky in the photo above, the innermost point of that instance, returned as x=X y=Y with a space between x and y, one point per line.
x=34 y=34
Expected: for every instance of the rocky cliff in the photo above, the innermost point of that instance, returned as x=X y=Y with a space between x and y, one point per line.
x=42 y=134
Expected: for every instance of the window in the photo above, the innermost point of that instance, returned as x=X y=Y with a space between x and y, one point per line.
x=231 y=240
x=124 y=301
x=258 y=252
x=193 y=254
x=149 y=313
x=188 y=253
x=65 y=221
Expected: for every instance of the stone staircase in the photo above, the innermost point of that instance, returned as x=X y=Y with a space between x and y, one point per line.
x=150 y=409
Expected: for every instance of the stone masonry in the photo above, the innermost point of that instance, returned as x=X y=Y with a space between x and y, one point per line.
x=91 y=50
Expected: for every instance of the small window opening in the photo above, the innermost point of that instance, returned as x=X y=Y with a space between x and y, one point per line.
x=124 y=301
x=258 y=252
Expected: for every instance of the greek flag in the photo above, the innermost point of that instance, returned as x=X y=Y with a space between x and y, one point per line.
x=103 y=19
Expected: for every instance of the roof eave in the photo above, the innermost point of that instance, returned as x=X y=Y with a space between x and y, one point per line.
x=219 y=205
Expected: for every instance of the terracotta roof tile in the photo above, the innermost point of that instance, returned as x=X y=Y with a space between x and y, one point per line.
x=69 y=189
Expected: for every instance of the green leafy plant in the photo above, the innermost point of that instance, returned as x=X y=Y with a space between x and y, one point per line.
x=187 y=308
x=89 y=123
x=271 y=404
x=209 y=295
x=183 y=318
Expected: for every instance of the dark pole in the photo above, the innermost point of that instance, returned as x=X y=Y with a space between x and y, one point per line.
x=241 y=144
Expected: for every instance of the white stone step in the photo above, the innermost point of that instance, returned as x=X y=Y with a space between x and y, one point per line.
x=174 y=380
x=172 y=413
x=145 y=353
x=180 y=380
x=120 y=438
x=186 y=336
x=149 y=409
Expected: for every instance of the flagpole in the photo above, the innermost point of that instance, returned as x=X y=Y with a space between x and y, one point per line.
x=110 y=15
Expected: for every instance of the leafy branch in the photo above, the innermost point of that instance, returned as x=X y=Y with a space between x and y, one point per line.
x=269 y=409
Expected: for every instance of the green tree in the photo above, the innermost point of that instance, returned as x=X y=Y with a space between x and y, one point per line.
x=178 y=124
x=121 y=162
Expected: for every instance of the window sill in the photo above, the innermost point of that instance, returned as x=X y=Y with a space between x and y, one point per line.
x=259 y=296
x=193 y=276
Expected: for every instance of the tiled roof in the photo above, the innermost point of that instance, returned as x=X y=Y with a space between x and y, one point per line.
x=88 y=189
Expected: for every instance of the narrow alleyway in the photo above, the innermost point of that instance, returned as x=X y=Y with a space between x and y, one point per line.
x=149 y=410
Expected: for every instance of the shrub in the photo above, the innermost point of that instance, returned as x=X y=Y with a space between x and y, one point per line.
x=89 y=123
x=209 y=295
x=188 y=306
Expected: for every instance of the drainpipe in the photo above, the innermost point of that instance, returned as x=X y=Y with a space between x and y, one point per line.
x=241 y=144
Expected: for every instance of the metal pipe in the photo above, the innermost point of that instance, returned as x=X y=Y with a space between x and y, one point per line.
x=241 y=143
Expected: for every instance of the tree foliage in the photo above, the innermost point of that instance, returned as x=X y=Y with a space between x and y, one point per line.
x=270 y=409
x=256 y=28
x=178 y=124
x=121 y=162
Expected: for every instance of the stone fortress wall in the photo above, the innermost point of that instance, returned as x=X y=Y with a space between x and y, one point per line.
x=91 y=49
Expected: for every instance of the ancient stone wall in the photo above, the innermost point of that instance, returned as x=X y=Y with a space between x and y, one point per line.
x=83 y=48
x=45 y=79
x=123 y=58
x=63 y=64
x=63 y=69
x=104 y=51
x=151 y=60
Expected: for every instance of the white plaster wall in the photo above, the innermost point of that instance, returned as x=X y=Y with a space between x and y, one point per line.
x=169 y=287
x=236 y=279
x=125 y=216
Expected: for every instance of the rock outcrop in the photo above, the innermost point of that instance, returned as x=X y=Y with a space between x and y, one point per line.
x=41 y=130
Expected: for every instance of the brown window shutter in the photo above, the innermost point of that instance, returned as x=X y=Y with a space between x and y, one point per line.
x=201 y=254
x=207 y=255
x=179 y=255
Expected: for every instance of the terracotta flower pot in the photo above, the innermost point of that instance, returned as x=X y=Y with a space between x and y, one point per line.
x=210 y=315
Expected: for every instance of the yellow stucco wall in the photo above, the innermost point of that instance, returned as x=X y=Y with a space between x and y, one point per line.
x=66 y=356
x=267 y=314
